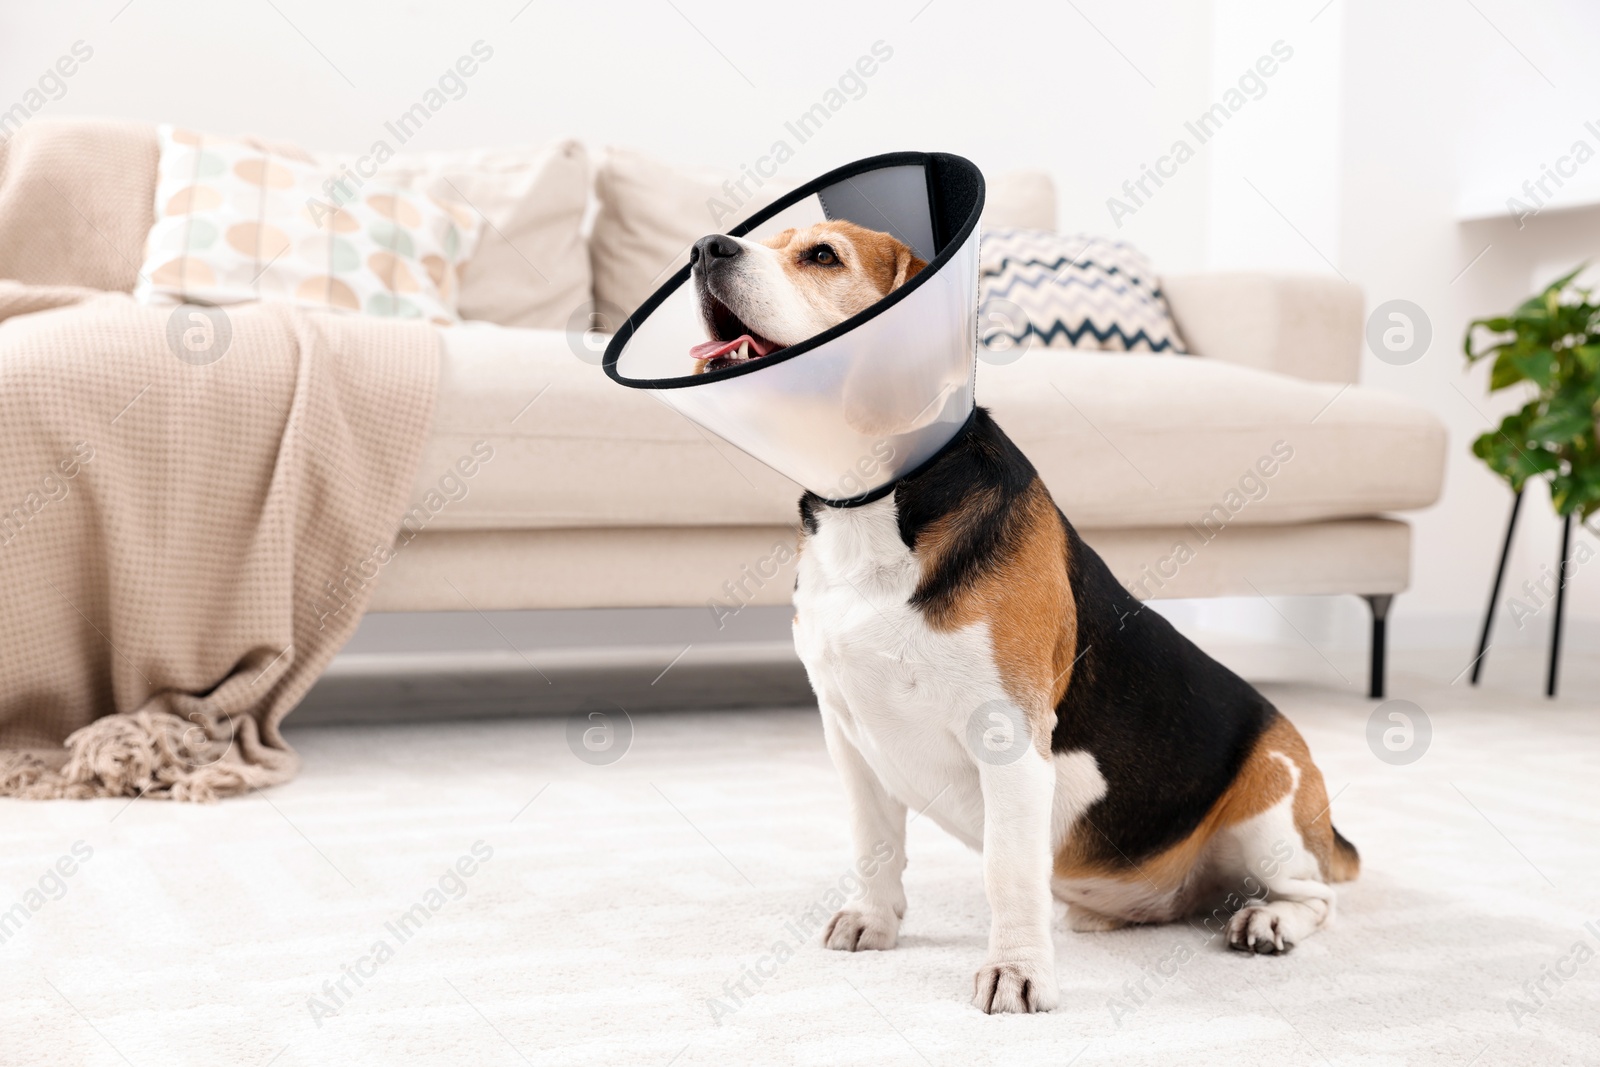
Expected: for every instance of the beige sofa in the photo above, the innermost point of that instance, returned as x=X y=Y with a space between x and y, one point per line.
x=1255 y=467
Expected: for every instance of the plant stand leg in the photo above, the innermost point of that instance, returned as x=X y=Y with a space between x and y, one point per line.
x=1561 y=603
x=1379 y=603
x=1494 y=594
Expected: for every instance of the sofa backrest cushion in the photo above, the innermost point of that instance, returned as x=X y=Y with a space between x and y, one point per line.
x=650 y=212
x=531 y=266
x=1020 y=200
x=1306 y=325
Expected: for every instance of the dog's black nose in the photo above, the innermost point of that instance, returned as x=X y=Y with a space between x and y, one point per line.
x=713 y=249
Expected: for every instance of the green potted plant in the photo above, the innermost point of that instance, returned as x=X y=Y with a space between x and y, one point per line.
x=1552 y=343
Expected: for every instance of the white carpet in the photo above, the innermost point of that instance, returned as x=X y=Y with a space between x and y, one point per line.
x=619 y=900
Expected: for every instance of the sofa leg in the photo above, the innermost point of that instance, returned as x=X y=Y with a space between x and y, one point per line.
x=1379 y=603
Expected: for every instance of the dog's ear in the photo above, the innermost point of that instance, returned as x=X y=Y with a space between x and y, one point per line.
x=906 y=266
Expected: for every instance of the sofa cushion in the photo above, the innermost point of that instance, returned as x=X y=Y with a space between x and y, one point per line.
x=1020 y=200
x=1121 y=440
x=650 y=212
x=1140 y=440
x=570 y=447
x=236 y=223
x=531 y=265
x=1051 y=290
x=1303 y=325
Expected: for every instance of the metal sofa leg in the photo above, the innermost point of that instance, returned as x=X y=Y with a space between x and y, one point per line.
x=1379 y=603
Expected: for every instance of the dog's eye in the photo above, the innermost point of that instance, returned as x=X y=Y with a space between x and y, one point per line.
x=824 y=255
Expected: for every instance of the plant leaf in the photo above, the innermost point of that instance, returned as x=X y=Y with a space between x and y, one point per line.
x=1566 y=418
x=1588 y=358
x=1507 y=371
x=1538 y=366
x=1552 y=343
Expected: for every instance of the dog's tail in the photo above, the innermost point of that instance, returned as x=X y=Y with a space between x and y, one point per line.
x=1346 y=860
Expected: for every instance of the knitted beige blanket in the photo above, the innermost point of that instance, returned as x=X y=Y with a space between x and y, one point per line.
x=187 y=535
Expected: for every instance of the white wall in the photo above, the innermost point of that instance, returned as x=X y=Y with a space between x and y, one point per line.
x=1275 y=167
x=1355 y=159
x=1402 y=117
x=1440 y=101
x=1011 y=84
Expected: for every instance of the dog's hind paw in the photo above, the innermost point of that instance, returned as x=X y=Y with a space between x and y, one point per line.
x=1022 y=987
x=857 y=931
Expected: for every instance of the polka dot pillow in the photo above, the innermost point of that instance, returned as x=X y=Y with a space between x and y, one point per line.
x=1050 y=290
x=236 y=223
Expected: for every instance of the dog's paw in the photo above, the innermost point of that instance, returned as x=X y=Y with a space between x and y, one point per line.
x=857 y=931
x=1257 y=928
x=1014 y=986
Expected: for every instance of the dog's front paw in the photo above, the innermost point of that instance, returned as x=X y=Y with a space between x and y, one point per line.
x=855 y=931
x=1257 y=929
x=1015 y=986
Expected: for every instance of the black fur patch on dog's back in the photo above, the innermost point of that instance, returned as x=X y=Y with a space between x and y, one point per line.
x=1168 y=726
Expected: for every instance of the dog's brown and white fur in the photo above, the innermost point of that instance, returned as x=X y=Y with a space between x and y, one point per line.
x=794 y=285
x=975 y=661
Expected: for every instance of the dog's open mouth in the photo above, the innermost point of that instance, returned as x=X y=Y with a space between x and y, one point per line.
x=736 y=343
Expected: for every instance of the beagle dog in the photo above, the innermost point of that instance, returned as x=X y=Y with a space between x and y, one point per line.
x=976 y=662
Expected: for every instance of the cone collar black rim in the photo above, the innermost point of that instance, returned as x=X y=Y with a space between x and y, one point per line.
x=873 y=495
x=948 y=244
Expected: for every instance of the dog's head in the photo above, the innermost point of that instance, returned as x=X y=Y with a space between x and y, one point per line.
x=758 y=298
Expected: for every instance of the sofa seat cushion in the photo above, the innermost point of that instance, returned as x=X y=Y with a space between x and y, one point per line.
x=1145 y=440
x=1122 y=440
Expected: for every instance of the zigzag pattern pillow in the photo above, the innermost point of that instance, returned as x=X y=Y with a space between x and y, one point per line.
x=1050 y=290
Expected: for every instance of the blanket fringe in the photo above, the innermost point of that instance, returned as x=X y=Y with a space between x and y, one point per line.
x=153 y=753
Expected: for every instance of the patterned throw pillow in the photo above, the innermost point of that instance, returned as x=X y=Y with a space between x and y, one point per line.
x=1043 y=289
x=237 y=223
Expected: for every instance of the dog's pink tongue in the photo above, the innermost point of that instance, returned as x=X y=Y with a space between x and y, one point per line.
x=712 y=349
